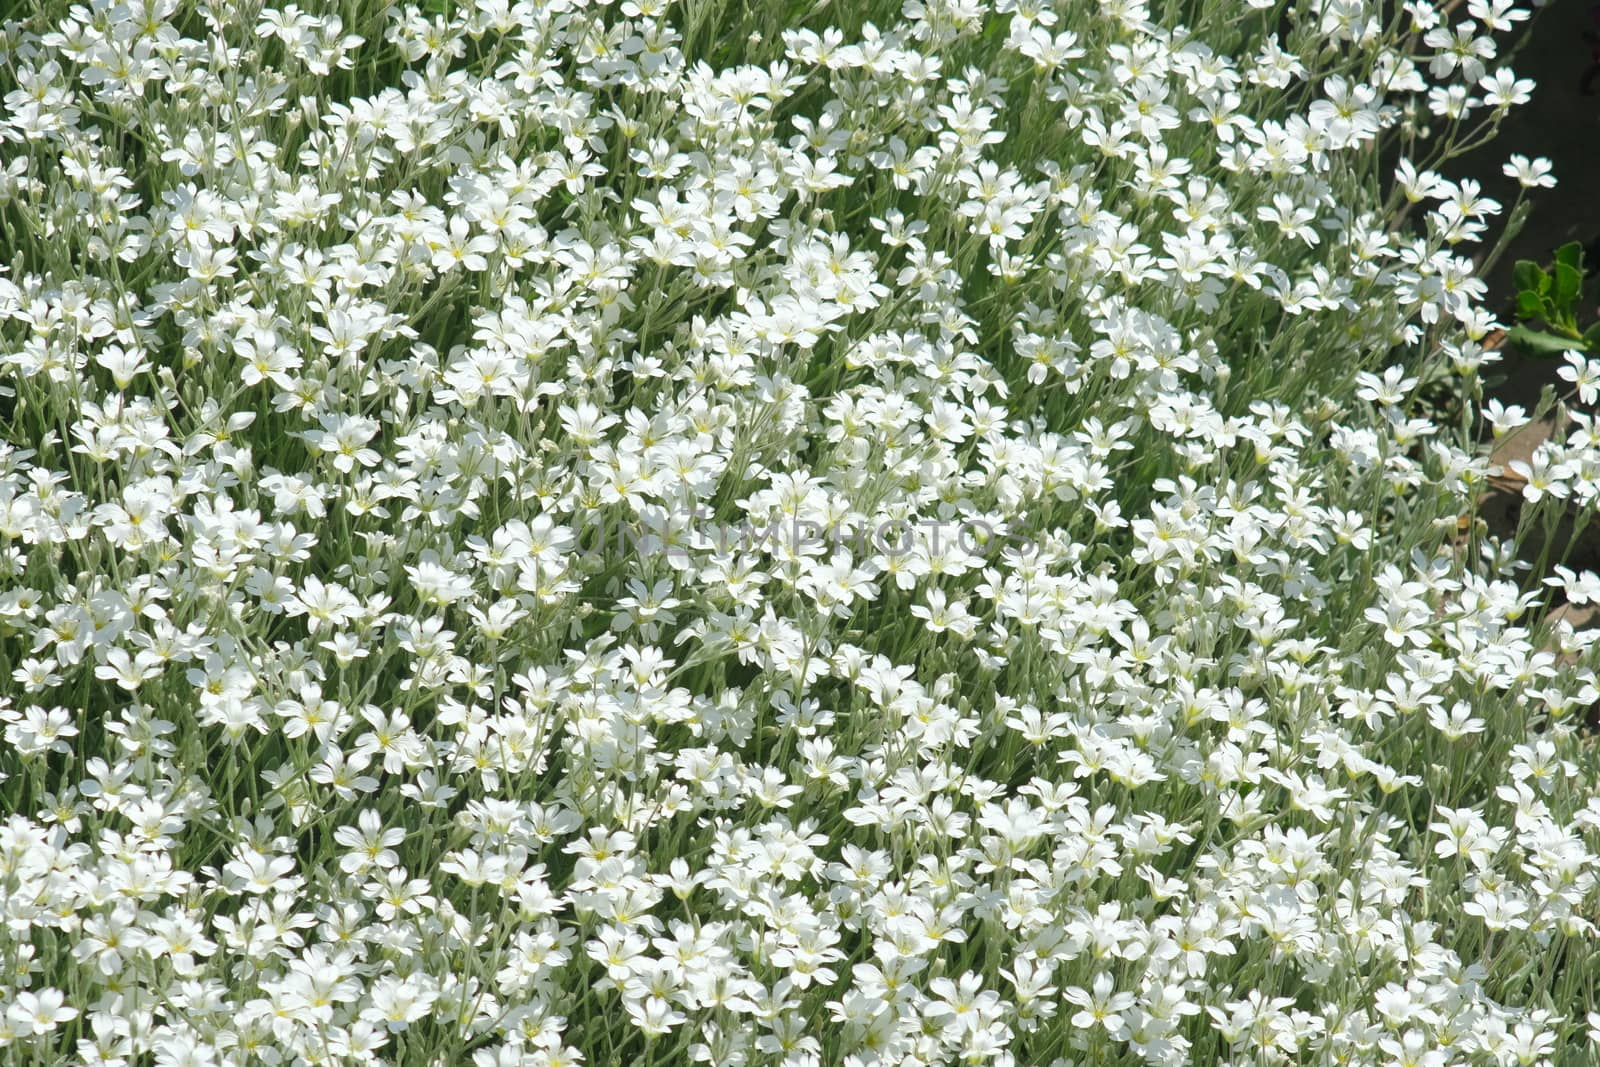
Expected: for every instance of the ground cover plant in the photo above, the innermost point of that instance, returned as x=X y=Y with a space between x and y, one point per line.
x=567 y=532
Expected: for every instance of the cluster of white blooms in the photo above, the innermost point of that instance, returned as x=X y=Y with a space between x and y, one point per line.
x=871 y=532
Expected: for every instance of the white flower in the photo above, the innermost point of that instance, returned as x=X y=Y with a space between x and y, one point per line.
x=1530 y=175
x=38 y=1013
x=1583 y=373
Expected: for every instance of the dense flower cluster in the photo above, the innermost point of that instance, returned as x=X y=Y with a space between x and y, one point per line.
x=1106 y=668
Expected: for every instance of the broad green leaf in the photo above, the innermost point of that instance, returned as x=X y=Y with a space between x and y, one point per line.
x=1568 y=284
x=1541 y=343
x=1529 y=277
x=1570 y=255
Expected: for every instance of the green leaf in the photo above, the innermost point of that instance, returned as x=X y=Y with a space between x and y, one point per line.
x=1529 y=277
x=1571 y=255
x=1540 y=343
x=1568 y=284
x=1591 y=337
x=1529 y=305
